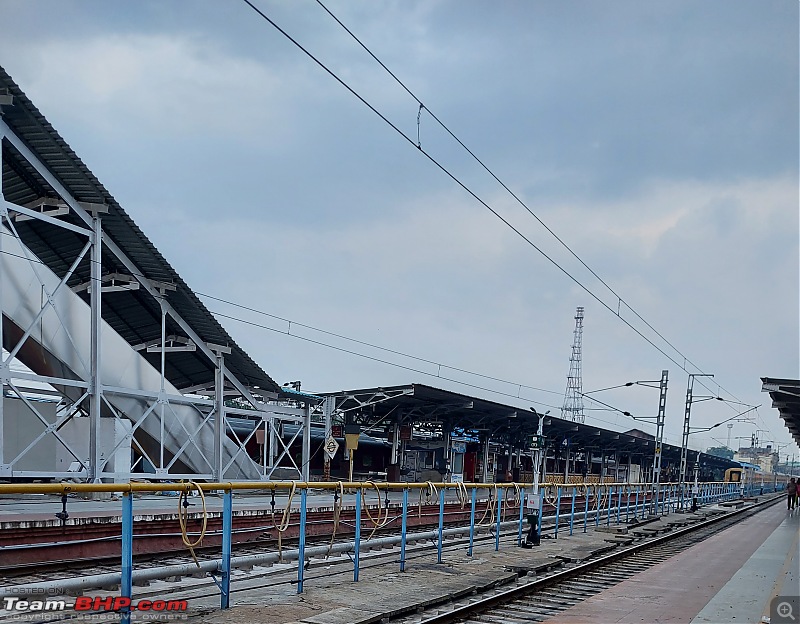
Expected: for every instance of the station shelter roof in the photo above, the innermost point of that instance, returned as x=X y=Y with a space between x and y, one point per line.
x=134 y=314
x=435 y=410
x=785 y=395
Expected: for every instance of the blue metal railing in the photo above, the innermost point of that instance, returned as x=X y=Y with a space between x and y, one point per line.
x=606 y=500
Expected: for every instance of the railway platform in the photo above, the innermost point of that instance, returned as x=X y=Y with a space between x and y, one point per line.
x=739 y=575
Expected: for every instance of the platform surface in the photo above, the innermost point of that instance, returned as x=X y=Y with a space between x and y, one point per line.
x=730 y=577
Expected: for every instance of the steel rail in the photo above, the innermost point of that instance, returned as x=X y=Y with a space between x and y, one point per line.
x=510 y=595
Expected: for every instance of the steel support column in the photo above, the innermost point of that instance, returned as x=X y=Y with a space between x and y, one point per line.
x=95 y=387
x=328 y=407
x=219 y=416
x=305 y=466
x=662 y=410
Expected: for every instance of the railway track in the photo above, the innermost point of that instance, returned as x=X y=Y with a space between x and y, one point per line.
x=539 y=598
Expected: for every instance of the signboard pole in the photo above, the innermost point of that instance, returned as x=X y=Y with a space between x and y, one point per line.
x=533 y=502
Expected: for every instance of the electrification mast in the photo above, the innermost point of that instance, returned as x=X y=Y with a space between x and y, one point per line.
x=573 y=397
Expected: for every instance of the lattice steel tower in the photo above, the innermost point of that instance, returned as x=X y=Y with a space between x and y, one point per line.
x=573 y=397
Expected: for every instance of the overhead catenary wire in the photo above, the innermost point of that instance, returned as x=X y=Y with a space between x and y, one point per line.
x=474 y=195
x=500 y=182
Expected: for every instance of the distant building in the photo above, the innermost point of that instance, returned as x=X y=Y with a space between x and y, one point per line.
x=765 y=457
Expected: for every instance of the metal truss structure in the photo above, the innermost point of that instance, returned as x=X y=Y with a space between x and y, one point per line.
x=573 y=398
x=115 y=341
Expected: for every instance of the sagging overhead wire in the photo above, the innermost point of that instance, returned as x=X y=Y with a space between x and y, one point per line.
x=516 y=197
x=371 y=345
x=475 y=196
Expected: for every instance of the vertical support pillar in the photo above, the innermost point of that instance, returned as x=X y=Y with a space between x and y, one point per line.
x=273 y=440
x=328 y=407
x=521 y=512
x=608 y=511
x=541 y=513
x=472 y=521
x=301 y=547
x=95 y=366
x=357 y=544
x=441 y=527
x=161 y=398
x=403 y=531
x=636 y=504
x=497 y=527
x=219 y=416
x=126 y=581
x=485 y=476
x=598 y=498
x=628 y=505
x=687 y=412
x=662 y=410
x=585 y=508
x=227 y=530
x=558 y=511
x=305 y=466
x=572 y=512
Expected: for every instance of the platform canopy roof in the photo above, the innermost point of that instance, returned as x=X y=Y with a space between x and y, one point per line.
x=785 y=395
x=435 y=410
x=134 y=314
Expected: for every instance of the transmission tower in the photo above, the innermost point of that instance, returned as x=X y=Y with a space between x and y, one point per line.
x=573 y=397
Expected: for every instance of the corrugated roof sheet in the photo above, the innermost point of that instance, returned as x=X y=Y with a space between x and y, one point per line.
x=785 y=394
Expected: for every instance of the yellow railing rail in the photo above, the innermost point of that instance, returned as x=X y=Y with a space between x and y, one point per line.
x=274 y=486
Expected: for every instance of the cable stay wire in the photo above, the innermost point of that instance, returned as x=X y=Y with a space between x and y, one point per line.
x=375 y=346
x=473 y=194
x=408 y=368
x=383 y=361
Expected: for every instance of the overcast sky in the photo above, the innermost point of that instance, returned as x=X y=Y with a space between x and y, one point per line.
x=658 y=140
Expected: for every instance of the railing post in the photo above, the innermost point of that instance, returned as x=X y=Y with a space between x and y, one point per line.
x=499 y=509
x=541 y=512
x=357 y=545
x=521 y=510
x=558 y=510
x=227 y=530
x=301 y=548
x=628 y=505
x=585 y=508
x=441 y=526
x=126 y=582
x=597 y=496
x=636 y=504
x=571 y=512
x=619 y=503
x=403 y=531
x=608 y=511
x=472 y=521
